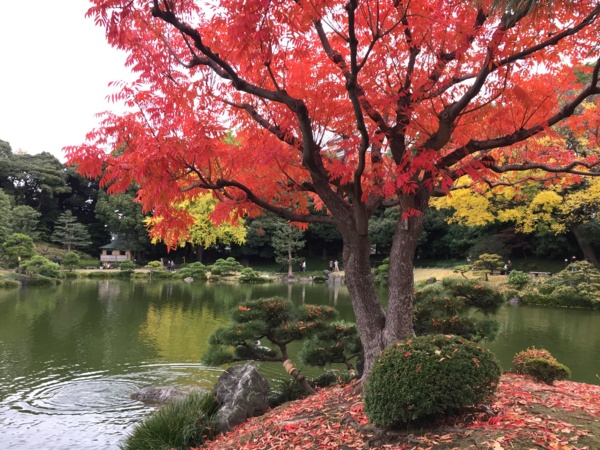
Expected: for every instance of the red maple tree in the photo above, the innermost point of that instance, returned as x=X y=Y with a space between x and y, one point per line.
x=345 y=107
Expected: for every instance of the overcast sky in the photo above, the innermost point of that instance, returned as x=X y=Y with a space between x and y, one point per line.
x=55 y=66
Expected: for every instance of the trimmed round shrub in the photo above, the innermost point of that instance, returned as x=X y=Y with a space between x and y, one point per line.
x=421 y=378
x=127 y=265
x=545 y=370
x=42 y=281
x=250 y=276
x=5 y=283
x=541 y=365
x=518 y=279
x=70 y=275
x=196 y=270
x=530 y=353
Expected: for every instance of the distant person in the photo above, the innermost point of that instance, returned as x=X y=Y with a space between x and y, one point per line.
x=303 y=266
x=336 y=267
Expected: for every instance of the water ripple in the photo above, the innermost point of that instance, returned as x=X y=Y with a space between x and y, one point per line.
x=68 y=408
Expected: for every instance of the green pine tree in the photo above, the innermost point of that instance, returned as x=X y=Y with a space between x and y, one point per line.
x=69 y=232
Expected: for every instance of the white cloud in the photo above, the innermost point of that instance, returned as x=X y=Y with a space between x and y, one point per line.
x=55 y=66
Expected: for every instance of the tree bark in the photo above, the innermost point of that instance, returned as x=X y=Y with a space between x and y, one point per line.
x=370 y=317
x=199 y=250
x=379 y=329
x=399 y=314
x=290 y=263
x=586 y=247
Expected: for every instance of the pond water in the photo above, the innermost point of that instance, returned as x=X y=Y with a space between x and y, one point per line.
x=71 y=355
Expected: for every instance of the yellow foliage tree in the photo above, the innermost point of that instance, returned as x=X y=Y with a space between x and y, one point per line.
x=533 y=208
x=206 y=230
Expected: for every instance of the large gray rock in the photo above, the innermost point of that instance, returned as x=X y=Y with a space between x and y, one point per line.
x=158 y=394
x=241 y=393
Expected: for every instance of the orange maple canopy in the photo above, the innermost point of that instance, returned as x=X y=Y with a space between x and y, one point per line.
x=365 y=102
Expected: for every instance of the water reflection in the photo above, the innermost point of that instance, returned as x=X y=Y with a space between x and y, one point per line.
x=72 y=354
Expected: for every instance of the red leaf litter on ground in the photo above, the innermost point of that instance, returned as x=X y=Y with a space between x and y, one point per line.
x=522 y=412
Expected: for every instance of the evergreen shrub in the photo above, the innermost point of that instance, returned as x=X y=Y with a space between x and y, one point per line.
x=530 y=353
x=380 y=273
x=103 y=274
x=38 y=265
x=447 y=307
x=179 y=425
x=541 y=365
x=71 y=261
x=164 y=275
x=215 y=273
x=545 y=370
x=127 y=265
x=225 y=267
x=42 y=281
x=250 y=276
x=577 y=286
x=518 y=279
x=70 y=275
x=9 y=283
x=195 y=270
x=510 y=294
x=421 y=378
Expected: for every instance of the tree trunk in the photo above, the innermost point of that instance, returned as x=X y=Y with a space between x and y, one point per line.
x=377 y=328
x=399 y=315
x=290 y=263
x=291 y=369
x=199 y=250
x=370 y=318
x=586 y=247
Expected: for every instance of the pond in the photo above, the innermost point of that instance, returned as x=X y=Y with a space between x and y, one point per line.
x=71 y=355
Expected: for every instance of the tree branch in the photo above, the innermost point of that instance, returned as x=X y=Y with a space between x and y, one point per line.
x=221 y=184
x=523 y=134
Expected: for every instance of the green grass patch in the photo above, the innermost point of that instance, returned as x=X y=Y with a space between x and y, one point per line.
x=179 y=425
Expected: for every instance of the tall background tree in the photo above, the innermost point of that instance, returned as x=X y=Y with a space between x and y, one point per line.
x=124 y=217
x=36 y=181
x=5 y=208
x=70 y=233
x=81 y=201
x=344 y=107
x=286 y=241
